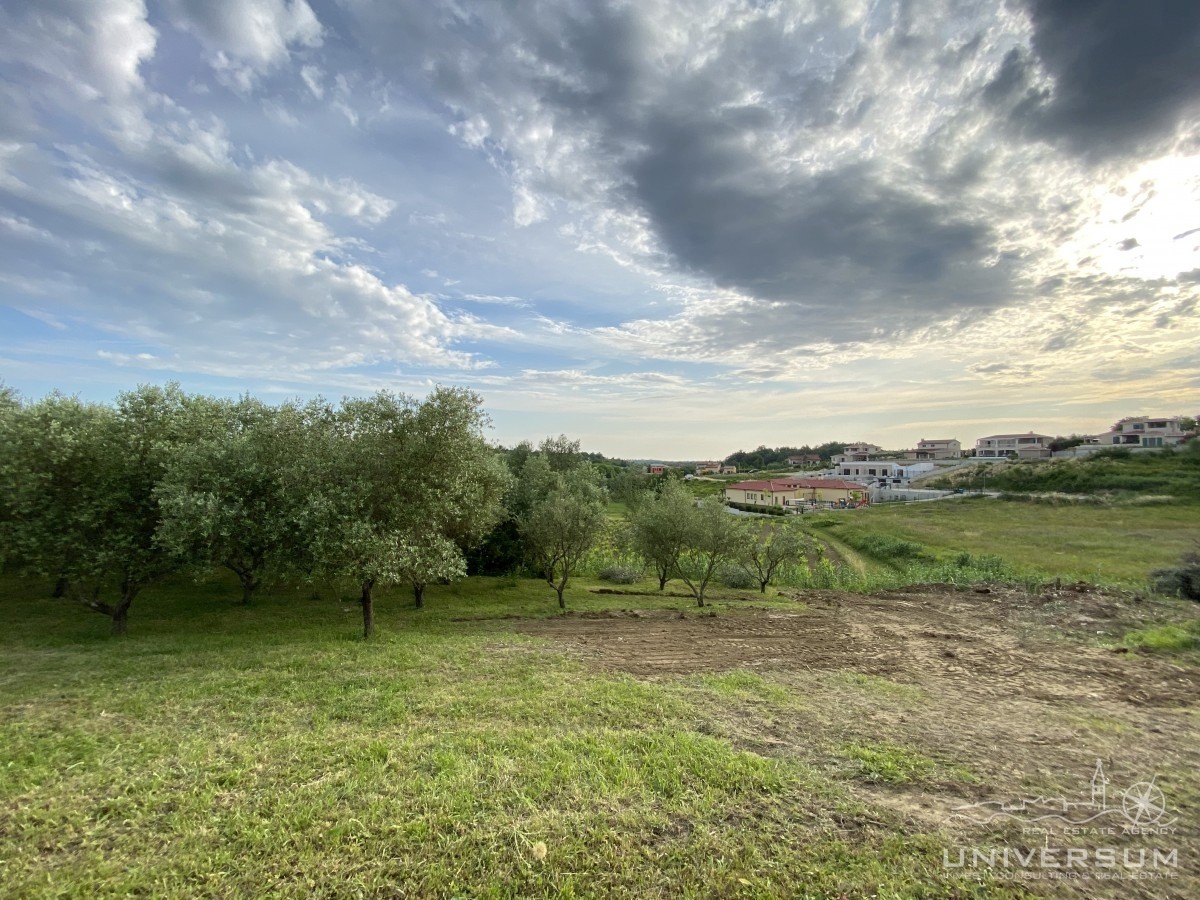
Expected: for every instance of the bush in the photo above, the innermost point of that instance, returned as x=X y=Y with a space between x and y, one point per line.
x=620 y=574
x=737 y=577
x=1182 y=580
x=886 y=548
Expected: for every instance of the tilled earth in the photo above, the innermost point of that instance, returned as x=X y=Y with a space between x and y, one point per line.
x=1011 y=695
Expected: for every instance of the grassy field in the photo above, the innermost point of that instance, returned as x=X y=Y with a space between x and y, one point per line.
x=268 y=750
x=222 y=750
x=1101 y=544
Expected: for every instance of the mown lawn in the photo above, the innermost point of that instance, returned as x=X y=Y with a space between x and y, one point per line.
x=222 y=750
x=1101 y=544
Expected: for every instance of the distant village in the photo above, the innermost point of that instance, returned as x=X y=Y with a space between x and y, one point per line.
x=862 y=472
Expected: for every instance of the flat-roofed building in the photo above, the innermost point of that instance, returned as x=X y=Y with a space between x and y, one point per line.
x=1025 y=446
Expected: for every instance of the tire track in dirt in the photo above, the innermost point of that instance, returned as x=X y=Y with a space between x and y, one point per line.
x=964 y=639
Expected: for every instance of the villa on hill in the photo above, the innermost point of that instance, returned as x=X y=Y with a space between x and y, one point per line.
x=1024 y=446
x=860 y=452
x=1143 y=431
x=805 y=459
x=938 y=448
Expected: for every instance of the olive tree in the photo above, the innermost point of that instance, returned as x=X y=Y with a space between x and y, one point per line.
x=714 y=536
x=51 y=452
x=80 y=480
x=230 y=499
x=397 y=488
x=768 y=547
x=562 y=521
x=659 y=527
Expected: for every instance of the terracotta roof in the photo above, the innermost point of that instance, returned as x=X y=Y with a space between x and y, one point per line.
x=769 y=486
x=835 y=483
x=793 y=484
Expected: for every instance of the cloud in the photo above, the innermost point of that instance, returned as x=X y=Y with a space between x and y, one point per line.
x=247 y=38
x=1122 y=75
x=156 y=226
x=101 y=43
x=831 y=200
x=818 y=186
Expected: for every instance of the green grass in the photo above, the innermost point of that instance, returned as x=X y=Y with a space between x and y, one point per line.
x=744 y=685
x=889 y=764
x=1181 y=638
x=1113 y=545
x=222 y=750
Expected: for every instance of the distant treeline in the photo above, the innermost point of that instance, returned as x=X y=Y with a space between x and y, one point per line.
x=766 y=458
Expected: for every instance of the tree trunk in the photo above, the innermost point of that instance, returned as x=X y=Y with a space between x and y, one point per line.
x=762 y=586
x=368 y=607
x=562 y=604
x=120 y=620
x=120 y=613
x=662 y=581
x=700 y=598
x=60 y=587
x=245 y=575
x=419 y=595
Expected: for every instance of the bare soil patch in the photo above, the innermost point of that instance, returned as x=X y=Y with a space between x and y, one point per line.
x=986 y=643
x=1012 y=696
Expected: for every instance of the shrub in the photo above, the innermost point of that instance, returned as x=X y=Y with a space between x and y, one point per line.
x=620 y=574
x=1181 y=580
x=885 y=547
x=737 y=577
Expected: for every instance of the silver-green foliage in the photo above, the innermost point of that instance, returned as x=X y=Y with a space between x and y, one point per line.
x=232 y=498
x=396 y=488
x=79 y=484
x=768 y=549
x=562 y=516
x=659 y=528
x=714 y=537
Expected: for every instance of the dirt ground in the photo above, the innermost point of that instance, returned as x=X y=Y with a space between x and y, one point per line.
x=1007 y=696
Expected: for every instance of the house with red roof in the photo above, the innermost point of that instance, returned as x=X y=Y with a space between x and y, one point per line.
x=798 y=493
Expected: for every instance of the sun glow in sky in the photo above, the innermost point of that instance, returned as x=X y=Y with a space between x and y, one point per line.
x=671 y=228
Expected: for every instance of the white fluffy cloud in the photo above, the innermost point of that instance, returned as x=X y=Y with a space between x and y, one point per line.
x=247 y=38
x=614 y=202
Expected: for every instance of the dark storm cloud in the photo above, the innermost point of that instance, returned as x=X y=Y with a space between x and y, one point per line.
x=830 y=239
x=1123 y=72
x=695 y=147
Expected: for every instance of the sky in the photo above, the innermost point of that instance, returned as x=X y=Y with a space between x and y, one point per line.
x=669 y=228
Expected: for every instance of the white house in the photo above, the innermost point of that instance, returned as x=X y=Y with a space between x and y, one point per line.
x=860 y=452
x=1026 y=446
x=937 y=448
x=1143 y=431
x=872 y=469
